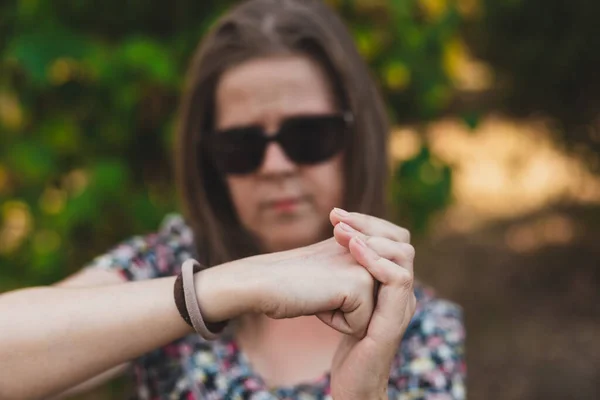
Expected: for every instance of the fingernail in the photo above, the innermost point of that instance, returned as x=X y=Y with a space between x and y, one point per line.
x=347 y=227
x=340 y=212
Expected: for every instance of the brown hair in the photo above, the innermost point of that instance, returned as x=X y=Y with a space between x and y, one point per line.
x=259 y=28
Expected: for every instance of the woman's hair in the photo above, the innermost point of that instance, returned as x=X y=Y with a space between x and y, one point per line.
x=262 y=28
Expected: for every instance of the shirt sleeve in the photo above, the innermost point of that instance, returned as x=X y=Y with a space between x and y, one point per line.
x=150 y=256
x=431 y=364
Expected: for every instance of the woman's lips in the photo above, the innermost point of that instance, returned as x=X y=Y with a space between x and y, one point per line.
x=285 y=205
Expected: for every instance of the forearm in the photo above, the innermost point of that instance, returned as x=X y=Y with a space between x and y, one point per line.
x=63 y=336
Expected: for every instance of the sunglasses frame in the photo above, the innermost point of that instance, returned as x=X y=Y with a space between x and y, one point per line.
x=347 y=117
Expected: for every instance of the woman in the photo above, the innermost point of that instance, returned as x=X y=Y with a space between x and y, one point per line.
x=280 y=123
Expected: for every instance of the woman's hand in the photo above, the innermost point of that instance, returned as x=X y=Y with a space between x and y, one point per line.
x=361 y=366
x=323 y=280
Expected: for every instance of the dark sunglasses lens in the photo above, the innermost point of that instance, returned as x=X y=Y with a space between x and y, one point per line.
x=311 y=140
x=238 y=151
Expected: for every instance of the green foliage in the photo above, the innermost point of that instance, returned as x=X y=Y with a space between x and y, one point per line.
x=420 y=188
x=404 y=42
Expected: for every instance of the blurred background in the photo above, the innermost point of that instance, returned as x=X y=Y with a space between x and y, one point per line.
x=495 y=158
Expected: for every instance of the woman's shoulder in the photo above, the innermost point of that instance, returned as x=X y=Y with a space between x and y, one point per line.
x=152 y=255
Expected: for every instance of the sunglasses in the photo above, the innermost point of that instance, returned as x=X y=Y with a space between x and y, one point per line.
x=306 y=140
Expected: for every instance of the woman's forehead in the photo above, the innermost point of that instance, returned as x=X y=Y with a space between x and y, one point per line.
x=272 y=88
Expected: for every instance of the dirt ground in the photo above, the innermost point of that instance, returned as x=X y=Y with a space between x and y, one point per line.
x=532 y=305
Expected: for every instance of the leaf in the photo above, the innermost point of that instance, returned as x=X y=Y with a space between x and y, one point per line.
x=397 y=75
x=61 y=134
x=31 y=162
x=109 y=177
x=150 y=58
x=36 y=51
x=421 y=187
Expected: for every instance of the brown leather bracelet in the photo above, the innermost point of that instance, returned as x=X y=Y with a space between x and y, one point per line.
x=184 y=292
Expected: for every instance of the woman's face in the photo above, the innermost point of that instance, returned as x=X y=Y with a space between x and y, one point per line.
x=284 y=204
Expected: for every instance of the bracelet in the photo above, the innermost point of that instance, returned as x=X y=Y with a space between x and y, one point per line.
x=186 y=302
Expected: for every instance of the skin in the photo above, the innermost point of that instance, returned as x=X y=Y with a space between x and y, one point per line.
x=94 y=322
x=264 y=92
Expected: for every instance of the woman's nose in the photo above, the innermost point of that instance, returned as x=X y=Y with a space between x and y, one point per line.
x=275 y=161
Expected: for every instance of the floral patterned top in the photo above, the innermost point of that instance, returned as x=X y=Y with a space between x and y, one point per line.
x=429 y=363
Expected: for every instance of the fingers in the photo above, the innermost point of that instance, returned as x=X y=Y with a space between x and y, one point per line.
x=342 y=232
x=383 y=249
x=399 y=252
x=380 y=266
x=369 y=225
x=396 y=299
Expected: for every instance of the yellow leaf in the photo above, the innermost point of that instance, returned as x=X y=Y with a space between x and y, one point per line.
x=434 y=9
x=465 y=72
x=52 y=200
x=46 y=241
x=11 y=113
x=454 y=57
x=469 y=8
x=17 y=223
x=62 y=70
x=397 y=76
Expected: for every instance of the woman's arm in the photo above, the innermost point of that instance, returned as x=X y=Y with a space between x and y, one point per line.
x=54 y=338
x=89 y=277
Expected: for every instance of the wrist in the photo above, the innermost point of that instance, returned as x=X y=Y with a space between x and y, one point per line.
x=228 y=291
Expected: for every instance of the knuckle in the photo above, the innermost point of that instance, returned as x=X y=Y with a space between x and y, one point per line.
x=402 y=234
x=405 y=279
x=408 y=251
